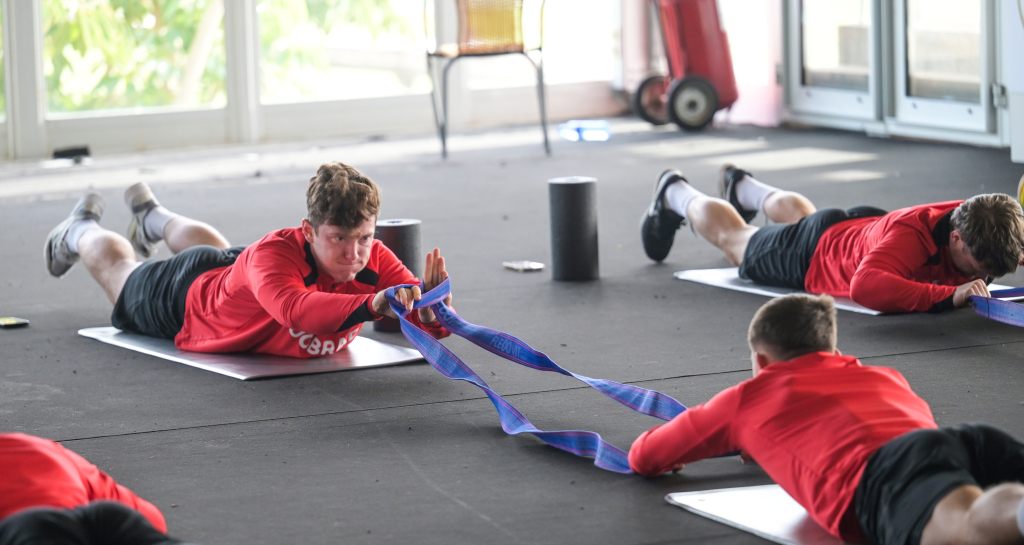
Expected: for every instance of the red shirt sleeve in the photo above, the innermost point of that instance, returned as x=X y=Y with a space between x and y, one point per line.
x=100 y=486
x=279 y=287
x=434 y=329
x=700 y=432
x=882 y=281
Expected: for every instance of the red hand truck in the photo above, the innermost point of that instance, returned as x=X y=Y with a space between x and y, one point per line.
x=701 y=80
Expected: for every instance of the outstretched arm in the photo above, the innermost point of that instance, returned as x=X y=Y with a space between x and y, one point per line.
x=697 y=433
x=275 y=274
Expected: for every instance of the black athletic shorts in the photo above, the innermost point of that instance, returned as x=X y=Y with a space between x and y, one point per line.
x=908 y=476
x=152 y=301
x=98 y=523
x=780 y=254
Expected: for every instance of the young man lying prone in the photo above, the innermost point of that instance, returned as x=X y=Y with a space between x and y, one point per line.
x=930 y=257
x=302 y=292
x=852 y=444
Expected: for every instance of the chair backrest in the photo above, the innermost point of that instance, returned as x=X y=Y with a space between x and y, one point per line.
x=490 y=26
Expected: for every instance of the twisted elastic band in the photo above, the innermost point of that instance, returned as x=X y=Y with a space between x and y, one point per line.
x=578 y=442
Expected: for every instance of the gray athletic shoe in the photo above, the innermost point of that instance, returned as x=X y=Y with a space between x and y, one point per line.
x=140 y=200
x=59 y=259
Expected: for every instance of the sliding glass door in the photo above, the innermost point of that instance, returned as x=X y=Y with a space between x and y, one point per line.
x=942 y=64
x=833 y=62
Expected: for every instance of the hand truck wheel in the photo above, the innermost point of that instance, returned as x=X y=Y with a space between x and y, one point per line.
x=692 y=103
x=649 y=102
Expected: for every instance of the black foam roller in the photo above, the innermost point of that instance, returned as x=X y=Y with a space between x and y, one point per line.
x=573 y=203
x=401 y=236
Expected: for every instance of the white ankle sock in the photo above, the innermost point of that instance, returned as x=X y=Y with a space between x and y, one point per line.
x=751 y=193
x=679 y=195
x=155 y=221
x=75 y=231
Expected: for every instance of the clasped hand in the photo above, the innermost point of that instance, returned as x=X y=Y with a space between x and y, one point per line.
x=963 y=293
x=434 y=274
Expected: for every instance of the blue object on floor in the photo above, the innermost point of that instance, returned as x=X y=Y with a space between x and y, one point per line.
x=1000 y=307
x=591 y=130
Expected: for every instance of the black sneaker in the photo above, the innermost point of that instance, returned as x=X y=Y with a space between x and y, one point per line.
x=659 y=223
x=730 y=175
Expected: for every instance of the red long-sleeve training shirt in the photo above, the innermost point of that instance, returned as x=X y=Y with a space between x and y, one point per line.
x=898 y=262
x=273 y=300
x=40 y=473
x=811 y=423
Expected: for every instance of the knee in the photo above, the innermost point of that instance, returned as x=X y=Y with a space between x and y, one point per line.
x=1000 y=502
x=1009 y=495
x=797 y=201
x=788 y=207
x=717 y=213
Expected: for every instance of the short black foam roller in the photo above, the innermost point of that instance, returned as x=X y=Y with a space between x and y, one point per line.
x=401 y=236
x=573 y=202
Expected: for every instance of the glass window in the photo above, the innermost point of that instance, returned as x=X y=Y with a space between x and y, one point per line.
x=109 y=54
x=835 y=45
x=944 y=49
x=341 y=49
x=578 y=43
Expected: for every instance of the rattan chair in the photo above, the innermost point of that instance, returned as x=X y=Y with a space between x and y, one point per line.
x=486 y=27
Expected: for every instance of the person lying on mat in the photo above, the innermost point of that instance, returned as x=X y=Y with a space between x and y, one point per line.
x=930 y=257
x=303 y=291
x=49 y=494
x=852 y=444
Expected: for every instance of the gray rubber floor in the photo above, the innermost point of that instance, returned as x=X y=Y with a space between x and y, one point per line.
x=402 y=455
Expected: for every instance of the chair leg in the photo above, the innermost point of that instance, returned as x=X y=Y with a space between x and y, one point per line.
x=440 y=118
x=540 y=95
x=444 y=105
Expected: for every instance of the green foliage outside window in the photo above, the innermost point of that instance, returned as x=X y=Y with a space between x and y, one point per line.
x=293 y=33
x=101 y=54
x=108 y=54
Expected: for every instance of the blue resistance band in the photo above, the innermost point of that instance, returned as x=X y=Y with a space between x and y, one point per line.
x=996 y=309
x=580 y=443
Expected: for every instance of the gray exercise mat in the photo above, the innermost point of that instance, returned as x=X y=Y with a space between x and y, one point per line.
x=359 y=354
x=765 y=511
x=729 y=279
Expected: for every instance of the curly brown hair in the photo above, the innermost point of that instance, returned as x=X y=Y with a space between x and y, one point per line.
x=992 y=227
x=342 y=196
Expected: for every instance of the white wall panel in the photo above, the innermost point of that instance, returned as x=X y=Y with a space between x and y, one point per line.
x=115 y=133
